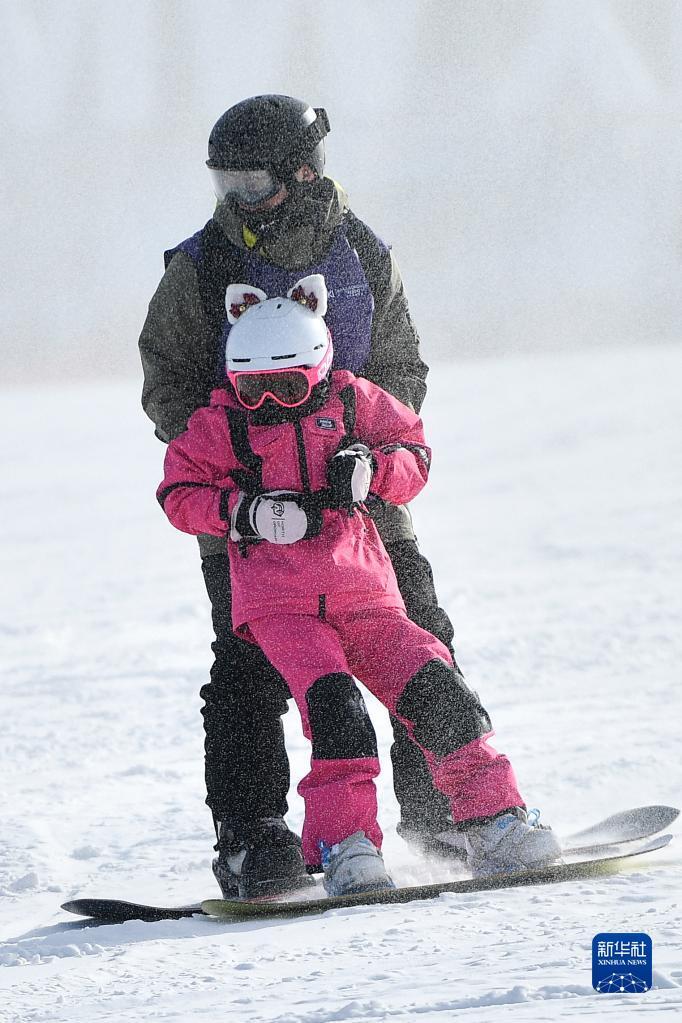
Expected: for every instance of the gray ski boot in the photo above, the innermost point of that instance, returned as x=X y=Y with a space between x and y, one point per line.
x=510 y=841
x=354 y=866
x=443 y=841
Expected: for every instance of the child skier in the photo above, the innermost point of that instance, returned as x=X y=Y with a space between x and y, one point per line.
x=283 y=463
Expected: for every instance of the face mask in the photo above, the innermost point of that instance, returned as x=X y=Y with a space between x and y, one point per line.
x=291 y=213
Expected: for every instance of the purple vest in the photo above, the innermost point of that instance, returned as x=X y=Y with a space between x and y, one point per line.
x=350 y=307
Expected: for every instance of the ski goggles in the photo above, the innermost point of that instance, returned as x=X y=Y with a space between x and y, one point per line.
x=249 y=187
x=288 y=387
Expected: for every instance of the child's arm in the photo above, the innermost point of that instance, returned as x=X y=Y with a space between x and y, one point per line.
x=197 y=485
x=395 y=436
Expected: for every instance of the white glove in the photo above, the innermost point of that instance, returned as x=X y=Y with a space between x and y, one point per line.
x=278 y=516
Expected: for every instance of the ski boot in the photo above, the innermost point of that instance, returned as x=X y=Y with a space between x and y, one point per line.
x=443 y=841
x=354 y=866
x=265 y=859
x=509 y=841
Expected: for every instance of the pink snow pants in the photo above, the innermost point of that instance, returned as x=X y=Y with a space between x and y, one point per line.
x=384 y=649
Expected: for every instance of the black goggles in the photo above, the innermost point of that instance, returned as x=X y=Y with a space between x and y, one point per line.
x=288 y=387
x=249 y=187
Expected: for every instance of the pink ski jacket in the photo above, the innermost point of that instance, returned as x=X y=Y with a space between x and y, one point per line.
x=347 y=559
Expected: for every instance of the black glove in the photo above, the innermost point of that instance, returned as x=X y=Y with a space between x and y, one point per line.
x=349 y=475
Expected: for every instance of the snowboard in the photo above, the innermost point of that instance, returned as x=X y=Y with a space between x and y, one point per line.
x=625 y=826
x=236 y=910
x=621 y=828
x=115 y=911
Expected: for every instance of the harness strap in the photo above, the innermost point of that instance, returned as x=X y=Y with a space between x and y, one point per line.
x=250 y=480
x=217 y=263
x=347 y=398
x=222 y=264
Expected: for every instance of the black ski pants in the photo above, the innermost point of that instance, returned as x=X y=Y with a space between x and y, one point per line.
x=247 y=770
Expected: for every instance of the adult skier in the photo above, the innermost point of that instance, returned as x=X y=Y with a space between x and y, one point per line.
x=281 y=465
x=277 y=218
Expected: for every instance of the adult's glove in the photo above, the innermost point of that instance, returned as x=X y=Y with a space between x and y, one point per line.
x=349 y=475
x=279 y=516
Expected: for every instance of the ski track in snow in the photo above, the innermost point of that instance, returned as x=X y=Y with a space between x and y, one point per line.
x=553 y=522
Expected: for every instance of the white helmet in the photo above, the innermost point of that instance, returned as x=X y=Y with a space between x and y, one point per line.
x=278 y=333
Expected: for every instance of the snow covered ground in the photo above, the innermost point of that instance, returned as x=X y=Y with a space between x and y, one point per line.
x=553 y=519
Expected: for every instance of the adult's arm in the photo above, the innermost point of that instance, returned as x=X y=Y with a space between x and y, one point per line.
x=395 y=363
x=177 y=350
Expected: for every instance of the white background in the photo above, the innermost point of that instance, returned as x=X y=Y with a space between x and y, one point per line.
x=524 y=158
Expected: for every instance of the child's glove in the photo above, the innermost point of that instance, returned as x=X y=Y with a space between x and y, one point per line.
x=280 y=516
x=349 y=475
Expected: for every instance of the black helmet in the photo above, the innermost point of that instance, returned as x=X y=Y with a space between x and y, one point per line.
x=270 y=137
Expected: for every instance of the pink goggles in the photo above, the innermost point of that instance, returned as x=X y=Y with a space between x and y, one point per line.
x=288 y=387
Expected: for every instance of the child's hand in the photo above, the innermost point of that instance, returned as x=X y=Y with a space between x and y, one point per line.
x=349 y=475
x=278 y=516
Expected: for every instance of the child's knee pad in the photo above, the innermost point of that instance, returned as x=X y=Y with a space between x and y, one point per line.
x=444 y=712
x=339 y=723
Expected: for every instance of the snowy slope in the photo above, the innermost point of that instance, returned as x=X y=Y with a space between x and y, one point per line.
x=553 y=522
